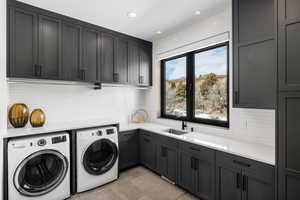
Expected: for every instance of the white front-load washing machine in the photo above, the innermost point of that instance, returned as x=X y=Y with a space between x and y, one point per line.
x=97 y=157
x=39 y=167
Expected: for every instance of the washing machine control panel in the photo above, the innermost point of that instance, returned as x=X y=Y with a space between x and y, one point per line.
x=59 y=139
x=110 y=131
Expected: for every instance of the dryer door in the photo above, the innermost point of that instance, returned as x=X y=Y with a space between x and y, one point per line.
x=40 y=173
x=100 y=157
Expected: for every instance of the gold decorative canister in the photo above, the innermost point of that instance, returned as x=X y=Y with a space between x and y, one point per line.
x=18 y=115
x=37 y=118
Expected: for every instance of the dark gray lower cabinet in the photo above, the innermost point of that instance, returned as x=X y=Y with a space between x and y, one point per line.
x=129 y=149
x=148 y=149
x=167 y=157
x=243 y=179
x=197 y=170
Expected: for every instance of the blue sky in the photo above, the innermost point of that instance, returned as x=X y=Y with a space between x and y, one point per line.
x=212 y=61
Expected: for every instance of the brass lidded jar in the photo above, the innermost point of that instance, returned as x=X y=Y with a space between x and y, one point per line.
x=18 y=115
x=37 y=118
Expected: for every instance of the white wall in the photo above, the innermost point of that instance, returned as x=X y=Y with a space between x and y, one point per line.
x=3 y=90
x=246 y=124
x=63 y=103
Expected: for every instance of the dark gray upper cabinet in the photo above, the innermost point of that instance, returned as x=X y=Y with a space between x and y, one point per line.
x=23 y=44
x=46 y=45
x=255 y=50
x=256 y=80
x=288 y=45
x=49 y=47
x=129 y=149
x=255 y=20
x=243 y=179
x=71 y=52
x=108 y=58
x=145 y=65
x=90 y=71
x=133 y=63
x=121 y=62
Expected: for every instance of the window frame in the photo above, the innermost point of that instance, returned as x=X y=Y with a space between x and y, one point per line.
x=190 y=90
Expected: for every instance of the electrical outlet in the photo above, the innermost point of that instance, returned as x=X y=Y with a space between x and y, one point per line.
x=246 y=124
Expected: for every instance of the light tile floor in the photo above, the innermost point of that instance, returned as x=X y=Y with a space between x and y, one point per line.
x=136 y=184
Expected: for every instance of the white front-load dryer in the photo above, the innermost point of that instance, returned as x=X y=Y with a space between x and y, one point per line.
x=97 y=157
x=39 y=167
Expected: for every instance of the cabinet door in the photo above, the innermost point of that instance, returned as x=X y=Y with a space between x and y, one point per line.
x=91 y=56
x=205 y=178
x=49 y=47
x=121 y=66
x=108 y=55
x=148 y=151
x=145 y=65
x=288 y=148
x=133 y=66
x=167 y=162
x=289 y=44
x=255 y=76
x=71 y=52
x=257 y=188
x=255 y=20
x=23 y=45
x=229 y=183
x=186 y=174
x=129 y=149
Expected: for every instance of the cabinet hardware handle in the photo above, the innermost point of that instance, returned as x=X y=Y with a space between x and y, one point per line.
x=116 y=77
x=192 y=163
x=196 y=166
x=238 y=178
x=97 y=86
x=241 y=163
x=36 y=69
x=245 y=180
x=236 y=97
x=194 y=149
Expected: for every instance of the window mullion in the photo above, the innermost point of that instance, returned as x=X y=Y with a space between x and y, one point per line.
x=190 y=93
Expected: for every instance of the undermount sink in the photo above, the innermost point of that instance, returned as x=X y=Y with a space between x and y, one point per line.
x=176 y=131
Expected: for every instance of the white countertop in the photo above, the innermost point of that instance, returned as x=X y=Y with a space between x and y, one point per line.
x=57 y=127
x=258 y=152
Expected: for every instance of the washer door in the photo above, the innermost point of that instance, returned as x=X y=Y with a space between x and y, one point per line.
x=40 y=173
x=100 y=157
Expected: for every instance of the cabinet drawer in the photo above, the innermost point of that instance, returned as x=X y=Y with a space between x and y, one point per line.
x=253 y=167
x=200 y=151
x=127 y=135
x=165 y=140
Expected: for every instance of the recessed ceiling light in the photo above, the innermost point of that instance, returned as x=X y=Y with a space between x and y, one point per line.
x=197 y=12
x=131 y=14
x=158 y=32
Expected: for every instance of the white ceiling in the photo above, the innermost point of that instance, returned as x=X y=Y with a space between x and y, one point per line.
x=152 y=15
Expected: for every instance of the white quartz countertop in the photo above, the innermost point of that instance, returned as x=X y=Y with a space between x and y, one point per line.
x=258 y=152
x=57 y=127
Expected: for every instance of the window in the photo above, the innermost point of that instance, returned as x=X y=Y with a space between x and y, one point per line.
x=195 y=86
